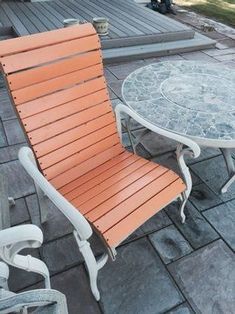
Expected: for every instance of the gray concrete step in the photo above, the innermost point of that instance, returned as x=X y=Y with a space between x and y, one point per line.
x=159 y=49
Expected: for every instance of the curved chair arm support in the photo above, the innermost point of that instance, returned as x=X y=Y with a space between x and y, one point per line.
x=79 y=222
x=15 y=239
x=120 y=108
x=49 y=302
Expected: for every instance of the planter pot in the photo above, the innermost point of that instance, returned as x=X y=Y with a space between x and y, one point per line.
x=70 y=22
x=101 y=25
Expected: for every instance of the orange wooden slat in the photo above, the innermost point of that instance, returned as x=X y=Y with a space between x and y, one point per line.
x=49 y=71
x=84 y=167
x=61 y=112
x=128 y=206
x=47 y=102
x=74 y=160
x=77 y=146
x=68 y=123
x=56 y=113
x=48 y=54
x=73 y=106
x=70 y=136
x=59 y=83
x=117 y=168
x=109 y=182
x=112 y=196
x=99 y=170
x=124 y=228
x=25 y=43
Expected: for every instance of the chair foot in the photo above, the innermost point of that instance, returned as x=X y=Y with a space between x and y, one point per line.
x=11 y=201
x=225 y=187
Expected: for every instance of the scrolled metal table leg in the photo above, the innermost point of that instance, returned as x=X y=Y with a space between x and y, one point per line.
x=230 y=167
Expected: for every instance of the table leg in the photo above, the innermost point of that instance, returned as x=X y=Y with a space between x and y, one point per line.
x=230 y=167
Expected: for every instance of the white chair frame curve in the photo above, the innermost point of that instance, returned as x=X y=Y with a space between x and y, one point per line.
x=15 y=239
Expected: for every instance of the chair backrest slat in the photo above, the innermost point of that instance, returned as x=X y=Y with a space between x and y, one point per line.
x=48 y=54
x=59 y=83
x=25 y=43
x=49 y=71
x=58 y=88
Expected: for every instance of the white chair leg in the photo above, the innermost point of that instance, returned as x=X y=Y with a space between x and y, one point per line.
x=92 y=265
x=182 y=207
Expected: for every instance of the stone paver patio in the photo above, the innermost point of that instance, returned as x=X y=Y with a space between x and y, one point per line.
x=164 y=267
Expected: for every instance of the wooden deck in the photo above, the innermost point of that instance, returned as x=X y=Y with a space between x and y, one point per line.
x=130 y=23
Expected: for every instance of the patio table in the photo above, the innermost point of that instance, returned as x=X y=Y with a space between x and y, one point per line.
x=193 y=99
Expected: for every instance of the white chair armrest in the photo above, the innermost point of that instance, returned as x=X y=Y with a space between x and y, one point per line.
x=15 y=239
x=80 y=223
x=121 y=108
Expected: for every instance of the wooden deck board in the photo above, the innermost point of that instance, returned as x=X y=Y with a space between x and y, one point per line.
x=130 y=23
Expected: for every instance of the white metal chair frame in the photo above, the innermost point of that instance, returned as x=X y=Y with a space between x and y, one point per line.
x=82 y=228
x=47 y=301
x=15 y=239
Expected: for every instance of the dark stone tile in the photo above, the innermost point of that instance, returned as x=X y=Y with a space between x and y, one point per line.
x=115 y=102
x=137 y=282
x=197 y=55
x=10 y=153
x=19 y=182
x=111 y=94
x=157 y=222
x=61 y=254
x=6 y=108
x=19 y=212
x=170 y=244
x=57 y=224
x=206 y=153
x=3 y=140
x=222 y=219
x=14 y=132
x=207 y=278
x=170 y=58
x=20 y=279
x=116 y=88
x=196 y=229
x=109 y=76
x=214 y=173
x=169 y=160
x=75 y=285
x=122 y=70
x=181 y=309
x=227 y=42
x=203 y=198
x=156 y=144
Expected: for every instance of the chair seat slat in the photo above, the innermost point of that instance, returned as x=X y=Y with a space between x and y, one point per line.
x=102 y=178
x=84 y=167
x=125 y=227
x=127 y=174
x=112 y=197
x=118 y=213
x=94 y=174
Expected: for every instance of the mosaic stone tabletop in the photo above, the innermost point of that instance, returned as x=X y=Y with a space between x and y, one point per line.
x=187 y=97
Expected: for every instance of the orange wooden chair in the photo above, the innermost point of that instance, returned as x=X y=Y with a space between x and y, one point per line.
x=58 y=89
